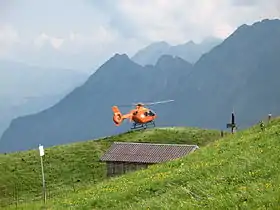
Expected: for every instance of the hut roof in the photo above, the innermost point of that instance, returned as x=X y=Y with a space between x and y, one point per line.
x=146 y=152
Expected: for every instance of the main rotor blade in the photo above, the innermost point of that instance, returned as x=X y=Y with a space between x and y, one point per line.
x=158 y=102
x=145 y=104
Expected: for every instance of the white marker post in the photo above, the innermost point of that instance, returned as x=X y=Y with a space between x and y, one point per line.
x=42 y=153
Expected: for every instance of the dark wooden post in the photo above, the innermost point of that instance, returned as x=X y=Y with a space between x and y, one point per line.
x=222 y=133
x=232 y=125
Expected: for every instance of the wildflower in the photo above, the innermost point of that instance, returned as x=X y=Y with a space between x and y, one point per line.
x=267 y=185
x=242 y=188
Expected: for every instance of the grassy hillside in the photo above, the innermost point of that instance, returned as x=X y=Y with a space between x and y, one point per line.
x=73 y=167
x=239 y=171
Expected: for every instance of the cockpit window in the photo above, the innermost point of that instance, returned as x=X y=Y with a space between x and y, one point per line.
x=151 y=113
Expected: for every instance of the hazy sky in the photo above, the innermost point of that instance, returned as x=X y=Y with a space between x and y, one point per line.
x=84 y=33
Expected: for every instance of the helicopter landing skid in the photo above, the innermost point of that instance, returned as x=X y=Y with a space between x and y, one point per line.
x=139 y=126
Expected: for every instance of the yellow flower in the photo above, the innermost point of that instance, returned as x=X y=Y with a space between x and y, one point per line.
x=267 y=185
x=242 y=188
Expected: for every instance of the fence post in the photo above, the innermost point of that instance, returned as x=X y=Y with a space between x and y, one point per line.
x=42 y=153
x=16 y=194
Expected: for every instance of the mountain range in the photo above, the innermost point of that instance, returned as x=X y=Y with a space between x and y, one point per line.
x=241 y=74
x=189 y=51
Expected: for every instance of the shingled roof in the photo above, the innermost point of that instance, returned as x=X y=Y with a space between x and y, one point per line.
x=146 y=152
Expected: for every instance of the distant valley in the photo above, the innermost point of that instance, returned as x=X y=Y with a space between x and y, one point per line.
x=28 y=89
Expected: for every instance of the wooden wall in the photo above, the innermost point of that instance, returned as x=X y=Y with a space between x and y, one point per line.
x=118 y=168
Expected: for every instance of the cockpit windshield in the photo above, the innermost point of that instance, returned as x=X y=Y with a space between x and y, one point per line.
x=152 y=113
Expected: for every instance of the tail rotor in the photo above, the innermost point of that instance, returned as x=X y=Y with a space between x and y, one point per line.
x=117 y=117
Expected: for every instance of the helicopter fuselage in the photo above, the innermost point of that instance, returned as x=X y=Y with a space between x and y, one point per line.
x=143 y=115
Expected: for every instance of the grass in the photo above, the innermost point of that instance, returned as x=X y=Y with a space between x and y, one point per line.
x=76 y=167
x=240 y=171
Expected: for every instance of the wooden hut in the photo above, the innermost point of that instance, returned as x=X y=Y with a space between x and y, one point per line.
x=123 y=157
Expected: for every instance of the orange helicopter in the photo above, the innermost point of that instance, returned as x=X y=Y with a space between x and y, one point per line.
x=141 y=116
